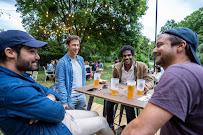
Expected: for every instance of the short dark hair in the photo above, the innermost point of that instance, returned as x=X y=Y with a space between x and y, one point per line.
x=157 y=67
x=72 y=37
x=127 y=47
x=15 y=48
x=177 y=40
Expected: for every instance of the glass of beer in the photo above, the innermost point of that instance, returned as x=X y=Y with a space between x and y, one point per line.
x=131 y=88
x=140 y=87
x=96 y=79
x=114 y=86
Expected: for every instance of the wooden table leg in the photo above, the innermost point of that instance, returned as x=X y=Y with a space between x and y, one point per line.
x=91 y=98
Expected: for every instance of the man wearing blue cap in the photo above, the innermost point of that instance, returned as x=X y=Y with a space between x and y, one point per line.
x=27 y=108
x=177 y=104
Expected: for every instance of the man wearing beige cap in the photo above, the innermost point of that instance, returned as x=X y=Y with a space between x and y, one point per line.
x=177 y=104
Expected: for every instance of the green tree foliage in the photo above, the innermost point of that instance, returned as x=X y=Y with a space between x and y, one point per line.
x=169 y=25
x=194 y=22
x=54 y=48
x=200 y=52
x=103 y=25
x=141 y=51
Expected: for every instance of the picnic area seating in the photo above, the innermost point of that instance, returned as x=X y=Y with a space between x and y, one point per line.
x=34 y=75
x=47 y=74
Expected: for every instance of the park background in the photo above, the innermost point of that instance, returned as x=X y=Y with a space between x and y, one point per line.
x=103 y=25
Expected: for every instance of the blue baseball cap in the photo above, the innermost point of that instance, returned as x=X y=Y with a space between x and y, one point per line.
x=11 y=38
x=189 y=36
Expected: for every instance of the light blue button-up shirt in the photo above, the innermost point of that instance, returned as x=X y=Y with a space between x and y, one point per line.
x=64 y=73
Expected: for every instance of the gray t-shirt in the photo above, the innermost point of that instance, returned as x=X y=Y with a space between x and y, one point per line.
x=77 y=77
x=180 y=92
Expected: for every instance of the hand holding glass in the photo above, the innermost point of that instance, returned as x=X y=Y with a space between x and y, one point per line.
x=114 y=86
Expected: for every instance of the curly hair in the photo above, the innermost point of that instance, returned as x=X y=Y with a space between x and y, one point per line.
x=157 y=67
x=127 y=47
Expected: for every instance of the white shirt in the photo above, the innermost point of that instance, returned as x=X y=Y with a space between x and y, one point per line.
x=77 y=77
x=127 y=75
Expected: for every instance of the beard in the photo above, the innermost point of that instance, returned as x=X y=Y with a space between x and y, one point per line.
x=165 y=59
x=25 y=65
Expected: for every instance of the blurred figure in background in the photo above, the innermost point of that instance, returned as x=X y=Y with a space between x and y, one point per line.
x=50 y=67
x=100 y=65
x=94 y=67
x=157 y=74
x=116 y=60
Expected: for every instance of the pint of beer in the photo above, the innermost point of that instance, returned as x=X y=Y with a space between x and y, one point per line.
x=131 y=88
x=113 y=92
x=114 y=86
x=140 y=87
x=96 y=79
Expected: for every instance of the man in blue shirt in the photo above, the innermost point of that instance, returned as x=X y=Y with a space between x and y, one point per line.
x=71 y=75
x=27 y=108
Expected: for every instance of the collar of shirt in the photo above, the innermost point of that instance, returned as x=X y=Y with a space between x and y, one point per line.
x=127 y=75
x=131 y=68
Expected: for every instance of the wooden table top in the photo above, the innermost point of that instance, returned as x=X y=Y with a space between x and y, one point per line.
x=121 y=96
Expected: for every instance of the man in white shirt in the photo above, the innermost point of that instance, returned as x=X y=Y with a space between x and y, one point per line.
x=128 y=69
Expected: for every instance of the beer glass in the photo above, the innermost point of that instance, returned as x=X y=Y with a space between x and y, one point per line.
x=96 y=79
x=140 y=87
x=114 y=86
x=131 y=88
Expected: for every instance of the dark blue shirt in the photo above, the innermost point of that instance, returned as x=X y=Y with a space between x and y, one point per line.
x=22 y=99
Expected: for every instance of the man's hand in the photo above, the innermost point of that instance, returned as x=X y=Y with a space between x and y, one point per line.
x=65 y=106
x=146 y=90
x=51 y=97
x=33 y=121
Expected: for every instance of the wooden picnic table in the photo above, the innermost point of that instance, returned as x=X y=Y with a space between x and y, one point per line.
x=105 y=93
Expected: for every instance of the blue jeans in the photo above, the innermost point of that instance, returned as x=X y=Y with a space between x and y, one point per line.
x=130 y=112
x=77 y=103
